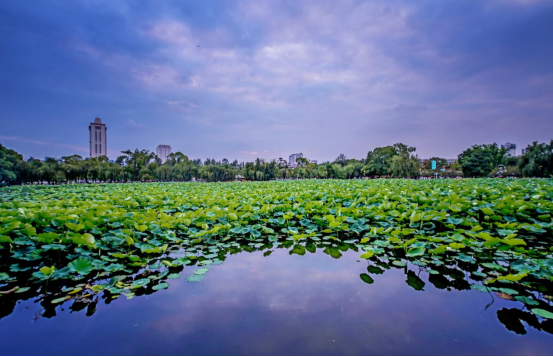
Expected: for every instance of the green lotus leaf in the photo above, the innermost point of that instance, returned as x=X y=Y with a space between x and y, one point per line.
x=543 y=313
x=526 y=300
x=201 y=271
x=415 y=252
x=194 y=278
x=160 y=286
x=140 y=283
x=82 y=266
x=366 y=278
x=5 y=239
x=74 y=226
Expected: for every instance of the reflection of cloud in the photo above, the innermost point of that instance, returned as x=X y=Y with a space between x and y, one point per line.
x=300 y=304
x=284 y=305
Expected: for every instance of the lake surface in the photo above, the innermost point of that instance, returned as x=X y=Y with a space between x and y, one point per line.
x=283 y=304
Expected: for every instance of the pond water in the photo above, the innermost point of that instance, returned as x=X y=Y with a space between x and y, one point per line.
x=258 y=303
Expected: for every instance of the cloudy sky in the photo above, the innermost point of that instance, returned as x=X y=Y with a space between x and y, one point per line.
x=247 y=79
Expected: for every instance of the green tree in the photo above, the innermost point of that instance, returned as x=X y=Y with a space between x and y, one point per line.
x=537 y=160
x=481 y=160
x=378 y=162
x=136 y=161
x=9 y=159
x=341 y=160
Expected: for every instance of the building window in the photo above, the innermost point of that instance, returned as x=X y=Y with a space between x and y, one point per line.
x=96 y=148
x=100 y=139
x=100 y=148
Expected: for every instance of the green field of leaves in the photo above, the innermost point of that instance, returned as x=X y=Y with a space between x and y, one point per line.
x=61 y=243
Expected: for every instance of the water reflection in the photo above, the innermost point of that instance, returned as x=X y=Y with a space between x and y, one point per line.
x=280 y=299
x=88 y=296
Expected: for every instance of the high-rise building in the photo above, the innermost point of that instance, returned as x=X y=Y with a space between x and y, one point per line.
x=511 y=148
x=162 y=151
x=292 y=159
x=98 y=138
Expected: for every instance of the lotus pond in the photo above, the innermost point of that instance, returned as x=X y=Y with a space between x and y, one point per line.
x=295 y=267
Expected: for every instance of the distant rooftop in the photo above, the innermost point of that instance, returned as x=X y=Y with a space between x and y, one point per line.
x=98 y=121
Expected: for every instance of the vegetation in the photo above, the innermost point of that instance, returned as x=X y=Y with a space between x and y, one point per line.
x=481 y=160
x=68 y=243
x=537 y=161
x=398 y=160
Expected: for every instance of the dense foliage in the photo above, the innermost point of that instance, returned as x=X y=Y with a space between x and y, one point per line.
x=537 y=161
x=80 y=241
x=481 y=160
x=398 y=160
x=9 y=159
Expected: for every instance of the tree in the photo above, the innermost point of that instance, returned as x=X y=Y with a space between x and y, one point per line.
x=481 y=160
x=341 y=160
x=404 y=163
x=378 y=161
x=302 y=161
x=137 y=160
x=537 y=160
x=9 y=160
x=404 y=166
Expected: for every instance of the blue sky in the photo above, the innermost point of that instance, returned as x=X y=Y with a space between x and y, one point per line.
x=247 y=79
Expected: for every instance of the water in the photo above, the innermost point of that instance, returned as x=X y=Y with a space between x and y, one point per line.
x=281 y=304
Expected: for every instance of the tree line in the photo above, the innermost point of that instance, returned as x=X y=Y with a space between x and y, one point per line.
x=398 y=160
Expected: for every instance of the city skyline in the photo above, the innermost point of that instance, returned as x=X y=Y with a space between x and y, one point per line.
x=265 y=80
x=98 y=129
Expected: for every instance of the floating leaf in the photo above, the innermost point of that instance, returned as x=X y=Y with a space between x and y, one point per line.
x=82 y=266
x=366 y=255
x=5 y=239
x=194 y=278
x=140 y=283
x=201 y=271
x=415 y=252
x=527 y=300
x=160 y=286
x=366 y=278
x=57 y=301
x=543 y=313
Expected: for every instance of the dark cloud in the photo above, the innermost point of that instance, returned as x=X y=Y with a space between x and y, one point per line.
x=225 y=79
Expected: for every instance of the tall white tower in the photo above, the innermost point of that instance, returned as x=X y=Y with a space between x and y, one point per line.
x=98 y=138
x=162 y=151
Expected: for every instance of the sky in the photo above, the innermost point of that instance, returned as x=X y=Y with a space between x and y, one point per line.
x=247 y=79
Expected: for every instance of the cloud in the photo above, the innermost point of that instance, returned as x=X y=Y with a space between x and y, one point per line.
x=335 y=76
x=130 y=123
x=45 y=143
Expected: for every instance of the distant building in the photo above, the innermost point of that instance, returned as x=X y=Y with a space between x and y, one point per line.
x=313 y=161
x=511 y=148
x=292 y=159
x=98 y=138
x=162 y=151
x=451 y=161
